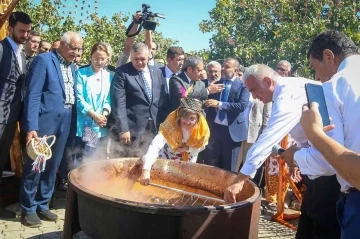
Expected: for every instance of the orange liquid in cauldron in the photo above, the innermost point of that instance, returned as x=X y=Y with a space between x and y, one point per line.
x=125 y=189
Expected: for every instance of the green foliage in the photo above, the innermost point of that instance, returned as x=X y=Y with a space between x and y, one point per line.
x=52 y=25
x=266 y=31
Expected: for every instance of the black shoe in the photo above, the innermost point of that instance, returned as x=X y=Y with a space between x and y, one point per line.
x=30 y=220
x=4 y=213
x=63 y=186
x=48 y=216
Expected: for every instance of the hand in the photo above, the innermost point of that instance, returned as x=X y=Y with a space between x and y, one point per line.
x=215 y=88
x=137 y=16
x=232 y=192
x=212 y=103
x=311 y=120
x=295 y=174
x=100 y=120
x=183 y=148
x=288 y=155
x=145 y=177
x=31 y=135
x=125 y=137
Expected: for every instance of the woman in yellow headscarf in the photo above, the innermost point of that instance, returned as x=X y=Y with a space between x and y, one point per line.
x=181 y=137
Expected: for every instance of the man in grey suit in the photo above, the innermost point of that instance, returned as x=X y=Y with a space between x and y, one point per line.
x=188 y=83
x=12 y=80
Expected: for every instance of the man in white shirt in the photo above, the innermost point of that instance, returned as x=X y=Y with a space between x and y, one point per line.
x=335 y=59
x=284 y=68
x=288 y=96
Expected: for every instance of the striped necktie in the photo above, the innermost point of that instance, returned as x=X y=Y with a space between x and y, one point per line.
x=224 y=98
x=146 y=84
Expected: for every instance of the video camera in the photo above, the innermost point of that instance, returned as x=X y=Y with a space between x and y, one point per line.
x=147 y=16
x=146 y=20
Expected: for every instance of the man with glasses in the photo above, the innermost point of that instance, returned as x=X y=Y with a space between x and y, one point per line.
x=50 y=109
x=284 y=68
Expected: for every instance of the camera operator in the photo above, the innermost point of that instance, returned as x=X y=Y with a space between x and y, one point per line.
x=153 y=47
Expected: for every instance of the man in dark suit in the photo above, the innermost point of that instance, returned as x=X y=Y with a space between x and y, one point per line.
x=188 y=83
x=175 y=61
x=50 y=109
x=137 y=93
x=226 y=118
x=12 y=80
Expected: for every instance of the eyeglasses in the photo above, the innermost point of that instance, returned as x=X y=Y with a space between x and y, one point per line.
x=74 y=48
x=191 y=120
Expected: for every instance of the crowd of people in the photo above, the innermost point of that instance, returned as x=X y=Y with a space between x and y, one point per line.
x=219 y=114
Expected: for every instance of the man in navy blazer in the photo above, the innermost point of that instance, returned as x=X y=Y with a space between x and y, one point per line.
x=50 y=109
x=138 y=102
x=225 y=116
x=12 y=85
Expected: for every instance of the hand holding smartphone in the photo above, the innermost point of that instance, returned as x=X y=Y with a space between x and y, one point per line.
x=315 y=93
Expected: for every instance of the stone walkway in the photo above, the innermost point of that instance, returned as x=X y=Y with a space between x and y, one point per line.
x=13 y=229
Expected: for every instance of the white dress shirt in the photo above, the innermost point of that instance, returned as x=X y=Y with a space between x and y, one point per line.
x=288 y=98
x=158 y=144
x=225 y=121
x=345 y=87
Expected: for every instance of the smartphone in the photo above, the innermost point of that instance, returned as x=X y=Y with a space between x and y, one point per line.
x=315 y=93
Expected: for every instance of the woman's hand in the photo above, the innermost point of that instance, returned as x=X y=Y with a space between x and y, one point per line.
x=100 y=120
x=145 y=177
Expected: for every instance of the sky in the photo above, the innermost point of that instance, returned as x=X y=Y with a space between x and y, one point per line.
x=182 y=17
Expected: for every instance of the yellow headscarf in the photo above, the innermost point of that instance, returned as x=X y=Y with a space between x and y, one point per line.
x=199 y=135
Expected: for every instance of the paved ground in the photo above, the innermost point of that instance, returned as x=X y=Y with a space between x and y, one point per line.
x=13 y=229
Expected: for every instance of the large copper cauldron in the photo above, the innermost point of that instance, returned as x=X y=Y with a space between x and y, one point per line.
x=105 y=201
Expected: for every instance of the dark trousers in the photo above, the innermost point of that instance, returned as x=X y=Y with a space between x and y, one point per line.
x=221 y=151
x=138 y=146
x=318 y=209
x=36 y=189
x=348 y=213
x=7 y=133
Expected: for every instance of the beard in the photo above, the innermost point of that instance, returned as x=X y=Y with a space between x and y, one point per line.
x=16 y=39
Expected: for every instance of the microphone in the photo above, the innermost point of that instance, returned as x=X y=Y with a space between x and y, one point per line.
x=276 y=149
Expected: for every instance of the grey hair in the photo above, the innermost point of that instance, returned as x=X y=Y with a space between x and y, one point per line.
x=70 y=34
x=287 y=63
x=259 y=72
x=108 y=47
x=139 y=47
x=191 y=61
x=213 y=63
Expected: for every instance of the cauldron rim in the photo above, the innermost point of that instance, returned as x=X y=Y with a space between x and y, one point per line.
x=155 y=208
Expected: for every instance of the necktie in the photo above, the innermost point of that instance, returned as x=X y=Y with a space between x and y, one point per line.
x=146 y=84
x=224 y=98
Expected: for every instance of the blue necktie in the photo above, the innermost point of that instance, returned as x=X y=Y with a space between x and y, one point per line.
x=224 y=98
x=146 y=84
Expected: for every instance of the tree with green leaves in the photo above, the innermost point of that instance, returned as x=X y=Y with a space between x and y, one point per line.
x=266 y=31
x=51 y=23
